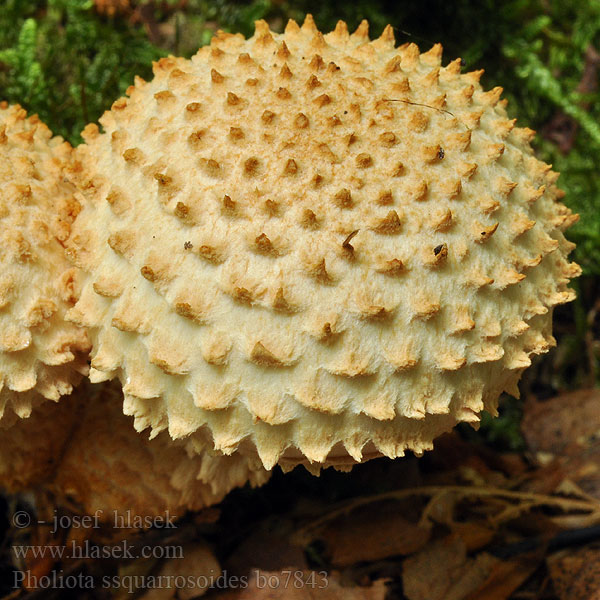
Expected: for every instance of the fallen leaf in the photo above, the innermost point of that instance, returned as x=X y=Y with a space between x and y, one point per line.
x=474 y=534
x=373 y=534
x=441 y=508
x=442 y=571
x=564 y=424
x=547 y=479
x=563 y=435
x=268 y=548
x=197 y=567
x=506 y=577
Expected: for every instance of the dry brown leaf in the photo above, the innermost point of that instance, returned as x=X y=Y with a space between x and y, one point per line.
x=453 y=453
x=198 y=563
x=576 y=576
x=576 y=475
x=268 y=548
x=547 y=479
x=506 y=577
x=563 y=433
x=442 y=571
x=583 y=474
x=474 y=534
x=564 y=424
x=373 y=534
x=441 y=508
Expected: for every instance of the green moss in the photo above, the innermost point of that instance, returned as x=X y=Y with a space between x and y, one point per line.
x=61 y=60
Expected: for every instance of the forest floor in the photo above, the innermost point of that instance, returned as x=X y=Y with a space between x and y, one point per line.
x=463 y=522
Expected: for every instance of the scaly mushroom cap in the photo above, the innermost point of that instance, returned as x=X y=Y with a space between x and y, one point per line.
x=40 y=354
x=315 y=248
x=87 y=453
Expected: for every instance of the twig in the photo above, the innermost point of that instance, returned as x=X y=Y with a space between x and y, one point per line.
x=565 y=504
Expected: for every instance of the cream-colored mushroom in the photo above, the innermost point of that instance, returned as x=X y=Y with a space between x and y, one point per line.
x=41 y=355
x=315 y=248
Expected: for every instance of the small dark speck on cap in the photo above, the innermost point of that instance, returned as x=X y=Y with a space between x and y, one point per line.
x=438 y=249
x=441 y=153
x=188 y=245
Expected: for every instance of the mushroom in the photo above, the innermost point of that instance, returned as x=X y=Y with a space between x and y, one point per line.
x=41 y=355
x=220 y=284
x=64 y=445
x=86 y=452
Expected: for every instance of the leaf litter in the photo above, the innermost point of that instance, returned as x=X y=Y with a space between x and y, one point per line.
x=463 y=522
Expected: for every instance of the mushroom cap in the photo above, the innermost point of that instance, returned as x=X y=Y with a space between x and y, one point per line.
x=315 y=248
x=40 y=353
x=85 y=450
x=31 y=448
